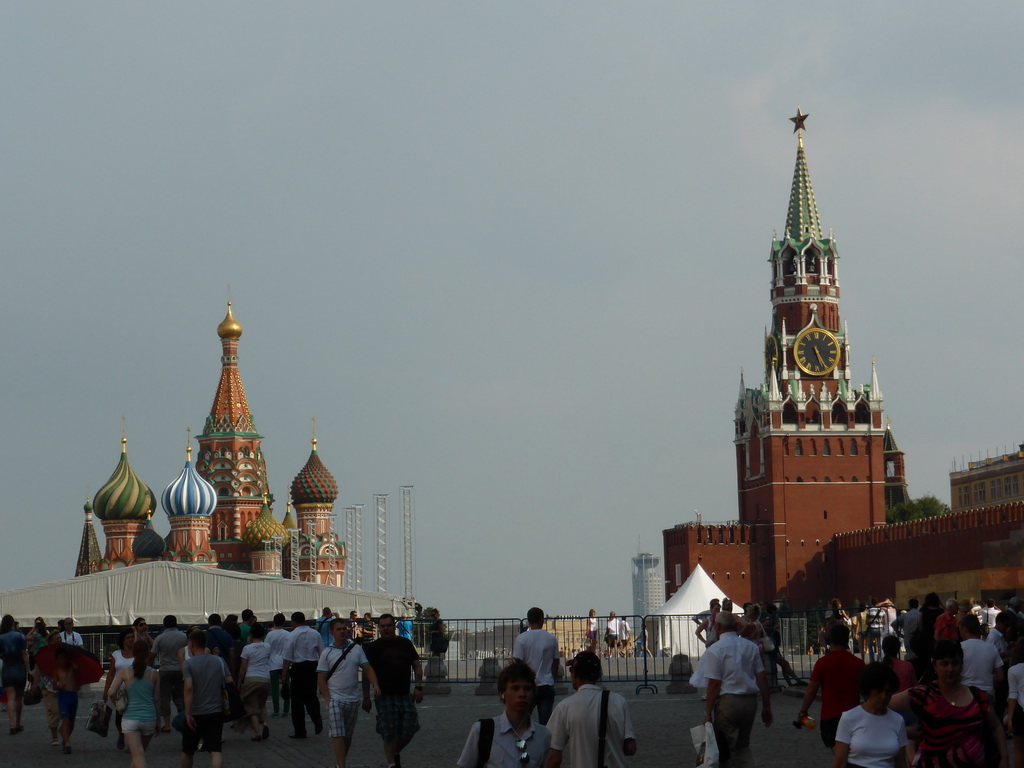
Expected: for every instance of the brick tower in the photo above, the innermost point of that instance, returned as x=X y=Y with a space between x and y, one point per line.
x=809 y=445
x=230 y=456
x=314 y=491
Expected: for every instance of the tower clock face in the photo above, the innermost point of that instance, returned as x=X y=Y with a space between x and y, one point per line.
x=816 y=352
x=771 y=355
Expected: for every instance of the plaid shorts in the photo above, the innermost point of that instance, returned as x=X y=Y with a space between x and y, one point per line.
x=342 y=716
x=396 y=717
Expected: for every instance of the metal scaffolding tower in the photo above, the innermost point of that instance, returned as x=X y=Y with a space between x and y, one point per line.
x=332 y=553
x=381 y=502
x=359 y=547
x=407 y=538
x=350 y=537
x=294 y=556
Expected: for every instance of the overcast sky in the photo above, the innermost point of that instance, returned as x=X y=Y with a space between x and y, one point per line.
x=512 y=254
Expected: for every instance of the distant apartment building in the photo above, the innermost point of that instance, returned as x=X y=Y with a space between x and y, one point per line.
x=648 y=584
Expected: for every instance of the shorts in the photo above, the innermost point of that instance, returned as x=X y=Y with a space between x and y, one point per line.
x=67 y=704
x=342 y=716
x=145 y=727
x=611 y=639
x=208 y=728
x=396 y=717
x=828 y=729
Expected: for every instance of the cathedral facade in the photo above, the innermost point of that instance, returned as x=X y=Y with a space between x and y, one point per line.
x=220 y=508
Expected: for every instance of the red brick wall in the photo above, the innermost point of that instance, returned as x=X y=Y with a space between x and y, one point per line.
x=724 y=552
x=870 y=562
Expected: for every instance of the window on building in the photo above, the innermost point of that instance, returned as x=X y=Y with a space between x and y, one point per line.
x=853 y=447
x=826 y=449
x=789 y=413
x=799 y=447
x=862 y=415
x=1010 y=486
x=979 y=493
x=993 y=489
x=838 y=415
x=890 y=467
x=679 y=575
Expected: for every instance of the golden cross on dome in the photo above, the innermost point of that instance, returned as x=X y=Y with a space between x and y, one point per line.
x=799 y=120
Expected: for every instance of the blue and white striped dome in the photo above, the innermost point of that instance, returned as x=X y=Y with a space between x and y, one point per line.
x=190 y=495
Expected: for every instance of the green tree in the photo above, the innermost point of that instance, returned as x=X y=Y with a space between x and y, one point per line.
x=916 y=509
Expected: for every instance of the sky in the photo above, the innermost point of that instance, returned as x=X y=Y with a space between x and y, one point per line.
x=511 y=254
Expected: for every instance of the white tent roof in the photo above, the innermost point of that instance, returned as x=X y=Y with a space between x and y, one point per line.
x=189 y=592
x=693 y=596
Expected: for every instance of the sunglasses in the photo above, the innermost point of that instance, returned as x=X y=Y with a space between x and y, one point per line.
x=524 y=756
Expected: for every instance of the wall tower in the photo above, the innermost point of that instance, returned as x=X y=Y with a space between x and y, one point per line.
x=809 y=444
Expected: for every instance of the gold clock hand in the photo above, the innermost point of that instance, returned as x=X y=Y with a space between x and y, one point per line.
x=817 y=354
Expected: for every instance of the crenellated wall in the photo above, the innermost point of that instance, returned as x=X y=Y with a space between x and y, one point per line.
x=870 y=562
x=723 y=551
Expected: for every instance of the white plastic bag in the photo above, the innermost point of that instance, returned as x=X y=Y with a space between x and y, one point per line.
x=704 y=742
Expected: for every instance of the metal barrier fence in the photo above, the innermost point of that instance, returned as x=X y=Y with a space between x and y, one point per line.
x=643 y=653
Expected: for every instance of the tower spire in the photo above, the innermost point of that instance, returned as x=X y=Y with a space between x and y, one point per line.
x=802 y=218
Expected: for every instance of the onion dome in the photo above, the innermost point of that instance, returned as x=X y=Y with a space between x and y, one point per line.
x=124 y=496
x=261 y=532
x=148 y=545
x=289 y=522
x=314 y=484
x=190 y=495
x=229 y=327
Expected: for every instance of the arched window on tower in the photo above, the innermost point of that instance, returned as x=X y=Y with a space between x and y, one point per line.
x=789 y=262
x=811 y=262
x=838 y=415
x=789 y=413
x=826 y=449
x=813 y=416
x=799 y=447
x=862 y=414
x=853 y=447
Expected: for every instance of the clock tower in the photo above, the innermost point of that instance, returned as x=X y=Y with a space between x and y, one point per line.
x=809 y=444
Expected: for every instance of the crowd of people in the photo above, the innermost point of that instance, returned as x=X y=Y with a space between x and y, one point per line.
x=936 y=685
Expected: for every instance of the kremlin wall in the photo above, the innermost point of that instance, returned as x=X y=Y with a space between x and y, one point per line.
x=219 y=508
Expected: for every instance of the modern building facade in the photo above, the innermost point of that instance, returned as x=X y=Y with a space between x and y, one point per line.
x=648 y=584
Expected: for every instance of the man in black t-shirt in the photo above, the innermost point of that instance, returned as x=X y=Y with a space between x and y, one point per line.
x=394 y=660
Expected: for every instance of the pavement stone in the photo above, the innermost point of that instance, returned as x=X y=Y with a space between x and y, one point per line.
x=661 y=721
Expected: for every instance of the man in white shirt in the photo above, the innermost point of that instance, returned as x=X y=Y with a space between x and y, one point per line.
x=68 y=634
x=576 y=720
x=300 y=658
x=338 y=681
x=735 y=675
x=538 y=648
x=983 y=667
x=277 y=641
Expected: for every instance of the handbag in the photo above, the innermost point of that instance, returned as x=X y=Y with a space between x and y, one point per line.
x=33 y=695
x=706 y=745
x=233 y=707
x=99 y=719
x=121 y=700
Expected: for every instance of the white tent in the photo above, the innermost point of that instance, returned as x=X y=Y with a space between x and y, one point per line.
x=189 y=592
x=675 y=624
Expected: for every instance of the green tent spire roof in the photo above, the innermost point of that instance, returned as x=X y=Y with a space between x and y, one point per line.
x=802 y=218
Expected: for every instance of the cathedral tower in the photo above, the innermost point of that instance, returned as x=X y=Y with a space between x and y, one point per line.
x=123 y=505
x=314 y=491
x=231 y=457
x=809 y=444
x=189 y=501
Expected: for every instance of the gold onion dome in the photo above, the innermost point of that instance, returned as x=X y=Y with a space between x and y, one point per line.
x=148 y=545
x=124 y=496
x=314 y=484
x=229 y=327
x=261 y=532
